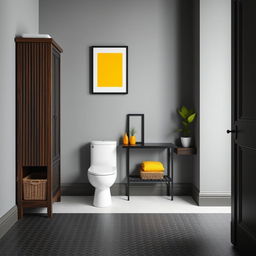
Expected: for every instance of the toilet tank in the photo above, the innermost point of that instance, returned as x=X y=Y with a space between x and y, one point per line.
x=103 y=153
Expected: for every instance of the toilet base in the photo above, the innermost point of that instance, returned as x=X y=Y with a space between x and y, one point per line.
x=102 y=197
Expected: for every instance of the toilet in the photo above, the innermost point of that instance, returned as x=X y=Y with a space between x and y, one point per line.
x=102 y=172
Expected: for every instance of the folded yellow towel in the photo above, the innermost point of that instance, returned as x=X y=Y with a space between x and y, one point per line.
x=151 y=170
x=152 y=166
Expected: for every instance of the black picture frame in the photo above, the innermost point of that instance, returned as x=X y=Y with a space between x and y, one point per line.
x=142 y=126
x=92 y=80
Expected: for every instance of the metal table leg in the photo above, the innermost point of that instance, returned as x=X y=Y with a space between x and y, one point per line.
x=127 y=173
x=168 y=171
x=172 y=168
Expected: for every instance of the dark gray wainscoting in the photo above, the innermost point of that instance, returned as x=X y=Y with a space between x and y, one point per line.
x=85 y=189
x=213 y=199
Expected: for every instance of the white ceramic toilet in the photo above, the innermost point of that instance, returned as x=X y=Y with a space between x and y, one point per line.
x=102 y=172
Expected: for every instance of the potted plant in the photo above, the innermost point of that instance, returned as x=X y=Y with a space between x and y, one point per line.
x=132 y=136
x=188 y=117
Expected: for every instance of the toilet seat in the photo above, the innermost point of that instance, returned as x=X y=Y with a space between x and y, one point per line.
x=101 y=170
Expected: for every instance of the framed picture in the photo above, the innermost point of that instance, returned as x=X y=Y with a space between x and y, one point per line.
x=109 y=69
x=136 y=121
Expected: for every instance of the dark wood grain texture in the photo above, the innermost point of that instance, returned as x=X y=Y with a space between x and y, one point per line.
x=38 y=115
x=185 y=151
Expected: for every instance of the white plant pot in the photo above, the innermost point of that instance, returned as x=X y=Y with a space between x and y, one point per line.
x=185 y=142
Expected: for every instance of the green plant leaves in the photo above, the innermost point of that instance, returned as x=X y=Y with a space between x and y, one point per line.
x=188 y=116
x=191 y=118
x=183 y=112
x=132 y=132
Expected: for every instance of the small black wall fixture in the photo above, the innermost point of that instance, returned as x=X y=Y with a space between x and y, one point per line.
x=142 y=126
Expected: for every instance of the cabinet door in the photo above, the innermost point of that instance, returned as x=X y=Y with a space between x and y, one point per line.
x=55 y=177
x=55 y=105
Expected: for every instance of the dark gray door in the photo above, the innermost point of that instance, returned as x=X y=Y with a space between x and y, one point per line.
x=244 y=126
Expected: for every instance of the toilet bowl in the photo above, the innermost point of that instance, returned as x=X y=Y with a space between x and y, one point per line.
x=102 y=178
x=102 y=172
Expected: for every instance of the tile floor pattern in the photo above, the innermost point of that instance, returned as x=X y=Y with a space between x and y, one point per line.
x=120 y=235
x=137 y=204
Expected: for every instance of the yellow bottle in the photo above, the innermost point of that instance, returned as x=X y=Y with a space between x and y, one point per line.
x=133 y=140
x=125 y=139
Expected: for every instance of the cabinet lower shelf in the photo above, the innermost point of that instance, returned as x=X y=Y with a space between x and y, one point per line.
x=41 y=203
x=137 y=179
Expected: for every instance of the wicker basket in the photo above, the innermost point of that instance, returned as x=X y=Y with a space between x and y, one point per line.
x=151 y=175
x=34 y=187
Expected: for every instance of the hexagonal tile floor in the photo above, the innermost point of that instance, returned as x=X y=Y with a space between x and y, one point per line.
x=120 y=235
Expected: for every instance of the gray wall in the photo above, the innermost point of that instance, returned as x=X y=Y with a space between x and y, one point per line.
x=16 y=17
x=159 y=35
x=215 y=98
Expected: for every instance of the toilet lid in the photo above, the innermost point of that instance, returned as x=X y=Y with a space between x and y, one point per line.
x=101 y=170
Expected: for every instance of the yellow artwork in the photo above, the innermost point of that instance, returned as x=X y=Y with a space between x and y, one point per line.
x=110 y=70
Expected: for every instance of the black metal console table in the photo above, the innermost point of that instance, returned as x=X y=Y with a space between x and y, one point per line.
x=168 y=179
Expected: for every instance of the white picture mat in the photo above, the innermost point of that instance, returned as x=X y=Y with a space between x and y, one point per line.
x=95 y=70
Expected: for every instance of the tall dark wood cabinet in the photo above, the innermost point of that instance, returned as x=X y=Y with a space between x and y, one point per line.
x=38 y=118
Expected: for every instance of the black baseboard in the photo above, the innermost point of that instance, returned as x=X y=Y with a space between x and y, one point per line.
x=118 y=189
x=8 y=220
x=195 y=194
x=210 y=199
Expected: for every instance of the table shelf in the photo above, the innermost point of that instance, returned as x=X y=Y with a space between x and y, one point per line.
x=149 y=146
x=137 y=179
x=168 y=179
